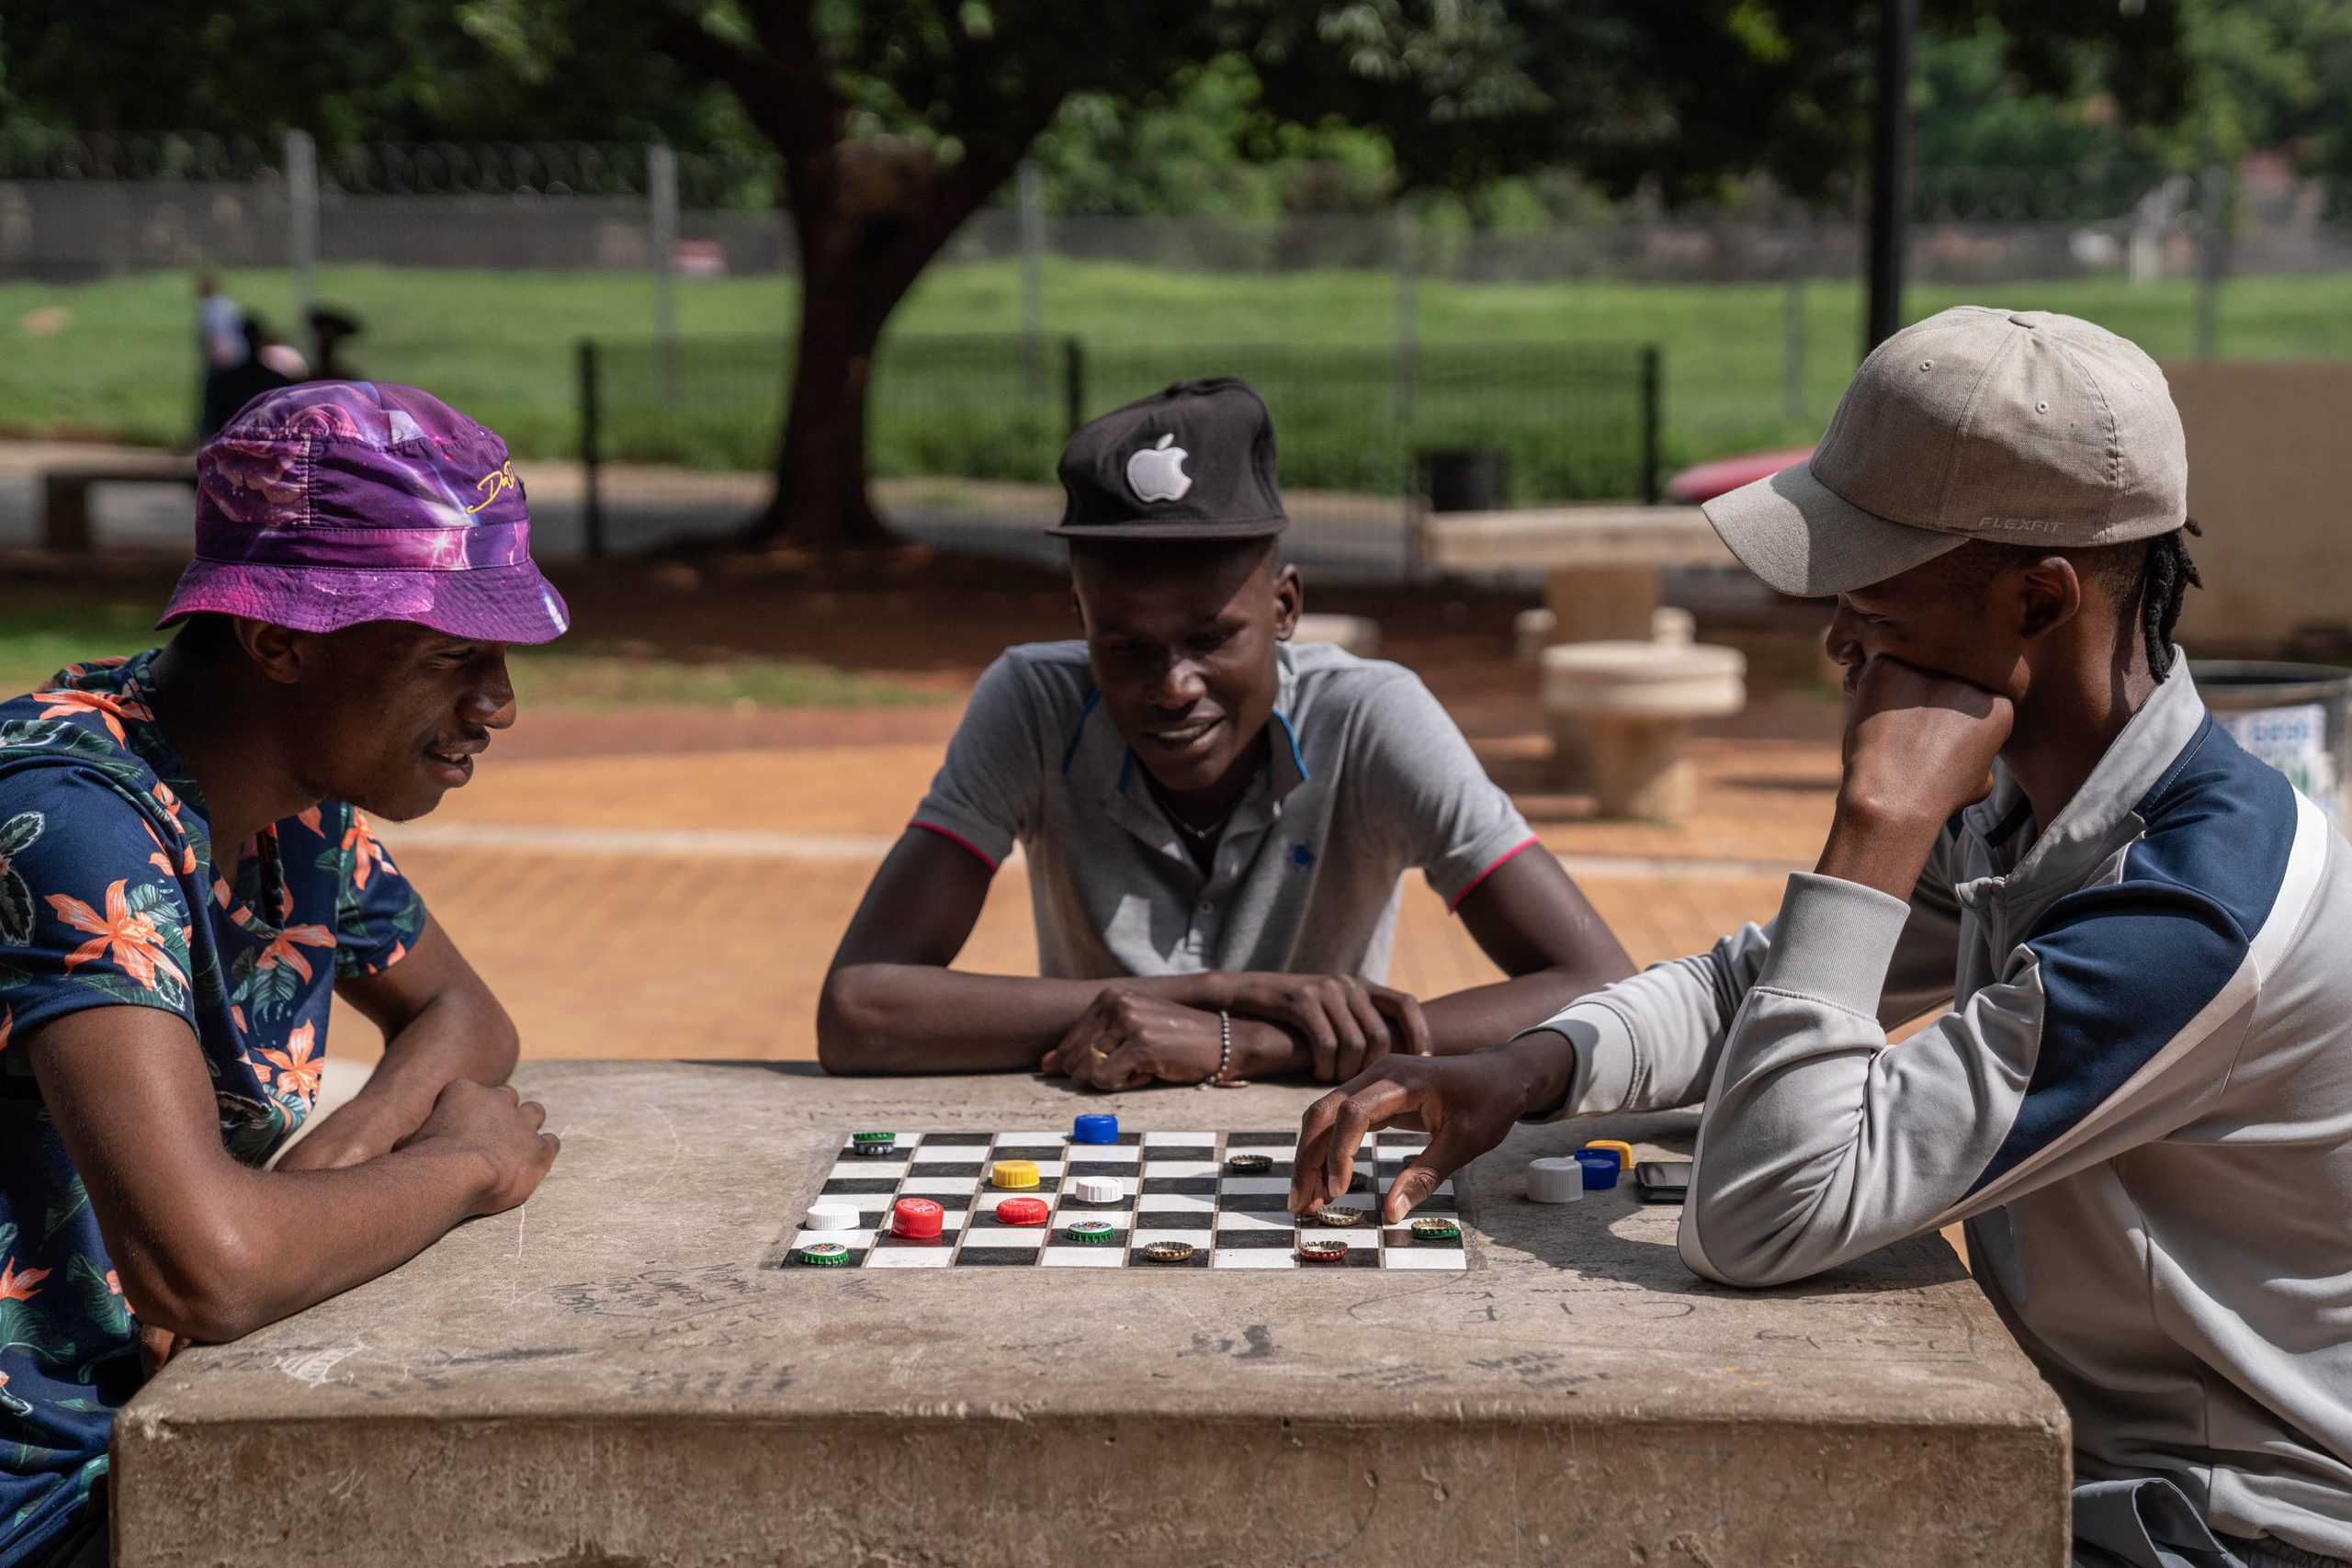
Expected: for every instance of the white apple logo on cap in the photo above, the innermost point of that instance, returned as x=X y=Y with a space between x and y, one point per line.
x=1157 y=472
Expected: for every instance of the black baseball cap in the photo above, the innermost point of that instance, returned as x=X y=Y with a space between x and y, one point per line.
x=1193 y=462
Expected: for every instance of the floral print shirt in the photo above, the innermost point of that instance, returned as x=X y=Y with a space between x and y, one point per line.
x=110 y=897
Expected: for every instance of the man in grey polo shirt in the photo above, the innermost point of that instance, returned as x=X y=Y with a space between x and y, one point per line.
x=1215 y=822
x=2137 y=1094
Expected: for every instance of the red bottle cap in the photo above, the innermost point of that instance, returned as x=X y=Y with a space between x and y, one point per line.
x=1021 y=1211
x=916 y=1219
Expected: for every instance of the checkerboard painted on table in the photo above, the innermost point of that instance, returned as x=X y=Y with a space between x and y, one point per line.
x=1174 y=1187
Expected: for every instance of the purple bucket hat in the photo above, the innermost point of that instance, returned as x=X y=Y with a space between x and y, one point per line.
x=332 y=503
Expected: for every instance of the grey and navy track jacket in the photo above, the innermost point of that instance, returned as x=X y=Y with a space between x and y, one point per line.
x=2141 y=1104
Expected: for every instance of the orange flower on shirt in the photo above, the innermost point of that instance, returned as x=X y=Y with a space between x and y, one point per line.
x=287 y=946
x=365 y=850
x=112 y=710
x=130 y=940
x=300 y=1064
x=16 y=1287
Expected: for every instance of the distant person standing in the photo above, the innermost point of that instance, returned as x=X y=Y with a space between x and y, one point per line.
x=219 y=325
x=329 y=331
x=221 y=346
x=226 y=392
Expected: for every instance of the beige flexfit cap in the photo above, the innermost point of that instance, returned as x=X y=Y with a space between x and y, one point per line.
x=2023 y=426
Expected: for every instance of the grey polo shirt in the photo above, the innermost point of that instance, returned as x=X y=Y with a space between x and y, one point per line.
x=1367 y=776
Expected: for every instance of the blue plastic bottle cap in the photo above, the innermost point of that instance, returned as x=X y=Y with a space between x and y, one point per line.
x=1095 y=1130
x=1600 y=1169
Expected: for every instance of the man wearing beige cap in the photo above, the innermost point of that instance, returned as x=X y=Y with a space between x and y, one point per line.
x=2140 y=1101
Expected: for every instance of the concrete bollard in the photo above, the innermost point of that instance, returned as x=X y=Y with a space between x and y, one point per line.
x=1351 y=633
x=1628 y=705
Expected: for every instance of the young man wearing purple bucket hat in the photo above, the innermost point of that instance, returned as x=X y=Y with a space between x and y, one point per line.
x=187 y=876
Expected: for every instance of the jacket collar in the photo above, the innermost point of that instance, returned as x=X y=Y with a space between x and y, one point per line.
x=2105 y=810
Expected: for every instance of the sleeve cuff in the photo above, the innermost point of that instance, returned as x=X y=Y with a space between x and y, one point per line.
x=985 y=845
x=1602 y=1043
x=1834 y=941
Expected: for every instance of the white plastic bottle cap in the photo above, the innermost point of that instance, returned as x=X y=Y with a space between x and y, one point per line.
x=1554 y=1181
x=830 y=1217
x=1098 y=1189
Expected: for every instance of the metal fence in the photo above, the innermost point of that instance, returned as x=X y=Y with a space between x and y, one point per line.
x=82 y=207
x=676 y=437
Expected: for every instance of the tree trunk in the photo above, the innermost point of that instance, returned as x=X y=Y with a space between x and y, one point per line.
x=821 y=499
x=869 y=217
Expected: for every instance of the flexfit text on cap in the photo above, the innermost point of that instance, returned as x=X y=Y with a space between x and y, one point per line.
x=327 y=504
x=2026 y=427
x=1195 y=461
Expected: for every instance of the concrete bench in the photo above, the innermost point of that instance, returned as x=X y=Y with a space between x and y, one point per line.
x=1602 y=560
x=628 y=1371
x=1621 y=713
x=65 y=494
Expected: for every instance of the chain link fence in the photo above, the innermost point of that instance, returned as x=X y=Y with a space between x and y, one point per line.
x=85 y=207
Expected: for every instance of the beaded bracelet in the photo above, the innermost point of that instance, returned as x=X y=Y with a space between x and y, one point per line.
x=1223 y=1053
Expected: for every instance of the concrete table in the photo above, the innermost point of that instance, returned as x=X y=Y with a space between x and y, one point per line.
x=623 y=1375
x=1603 y=560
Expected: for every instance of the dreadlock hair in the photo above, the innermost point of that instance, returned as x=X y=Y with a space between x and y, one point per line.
x=2152 y=577
x=2166 y=579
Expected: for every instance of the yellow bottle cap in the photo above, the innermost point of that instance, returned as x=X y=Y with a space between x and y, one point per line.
x=1013 y=1173
x=1624 y=1151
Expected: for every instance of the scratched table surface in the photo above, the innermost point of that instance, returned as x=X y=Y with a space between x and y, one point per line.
x=627 y=1370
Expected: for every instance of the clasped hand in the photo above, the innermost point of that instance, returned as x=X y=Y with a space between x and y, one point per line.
x=1166 y=1032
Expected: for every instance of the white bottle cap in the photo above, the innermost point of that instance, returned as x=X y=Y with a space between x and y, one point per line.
x=1098 y=1189
x=830 y=1217
x=1554 y=1181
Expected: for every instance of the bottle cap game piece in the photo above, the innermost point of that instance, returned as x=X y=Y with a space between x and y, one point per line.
x=1322 y=1248
x=1250 y=1165
x=871 y=1144
x=1169 y=1251
x=1021 y=1211
x=1624 y=1151
x=1098 y=1189
x=1600 y=1168
x=1359 y=1182
x=1555 y=1180
x=1338 y=1218
x=1092 y=1233
x=916 y=1219
x=823 y=1254
x=1435 y=1229
x=830 y=1217
x=1095 y=1129
x=1013 y=1173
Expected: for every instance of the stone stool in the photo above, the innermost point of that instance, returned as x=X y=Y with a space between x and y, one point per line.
x=1628 y=706
x=1531 y=634
x=1350 y=634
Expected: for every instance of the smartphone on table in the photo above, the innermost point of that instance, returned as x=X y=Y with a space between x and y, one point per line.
x=1662 y=1180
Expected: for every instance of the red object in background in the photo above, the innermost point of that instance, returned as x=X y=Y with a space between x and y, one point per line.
x=1705 y=482
x=1021 y=1212
x=915 y=1219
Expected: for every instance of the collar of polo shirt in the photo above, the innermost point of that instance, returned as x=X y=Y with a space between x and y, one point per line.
x=1097 y=755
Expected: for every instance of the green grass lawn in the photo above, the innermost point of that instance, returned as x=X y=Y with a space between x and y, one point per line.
x=115 y=358
x=41 y=633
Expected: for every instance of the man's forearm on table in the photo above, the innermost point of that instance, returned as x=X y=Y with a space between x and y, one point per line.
x=302 y=1236
x=921 y=1018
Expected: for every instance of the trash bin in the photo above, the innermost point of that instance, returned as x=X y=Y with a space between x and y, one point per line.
x=2293 y=716
x=1468 y=479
